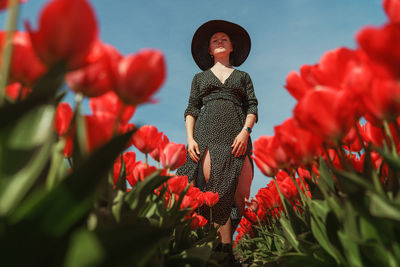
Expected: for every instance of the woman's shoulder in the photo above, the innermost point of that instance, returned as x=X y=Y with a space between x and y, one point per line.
x=242 y=73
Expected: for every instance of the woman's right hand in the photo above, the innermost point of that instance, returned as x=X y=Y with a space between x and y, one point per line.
x=193 y=149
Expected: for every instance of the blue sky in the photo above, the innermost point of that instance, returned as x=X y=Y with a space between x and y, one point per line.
x=285 y=35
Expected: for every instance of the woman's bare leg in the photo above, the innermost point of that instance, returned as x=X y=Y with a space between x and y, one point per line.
x=206 y=165
x=244 y=184
x=225 y=231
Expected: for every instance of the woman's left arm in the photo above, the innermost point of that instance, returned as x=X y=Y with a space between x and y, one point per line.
x=240 y=143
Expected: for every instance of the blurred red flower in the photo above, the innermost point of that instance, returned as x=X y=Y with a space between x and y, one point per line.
x=146 y=138
x=211 y=198
x=140 y=76
x=4 y=3
x=16 y=92
x=140 y=171
x=173 y=156
x=155 y=154
x=67 y=32
x=109 y=104
x=25 y=66
x=326 y=113
x=392 y=9
x=63 y=127
x=129 y=159
x=269 y=155
x=99 y=77
x=382 y=46
x=301 y=145
x=177 y=184
x=198 y=221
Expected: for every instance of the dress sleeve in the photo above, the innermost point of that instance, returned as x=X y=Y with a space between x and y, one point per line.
x=251 y=101
x=195 y=102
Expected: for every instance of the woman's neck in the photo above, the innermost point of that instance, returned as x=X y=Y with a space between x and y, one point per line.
x=222 y=63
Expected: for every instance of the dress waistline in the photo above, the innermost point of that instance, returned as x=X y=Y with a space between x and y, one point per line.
x=225 y=95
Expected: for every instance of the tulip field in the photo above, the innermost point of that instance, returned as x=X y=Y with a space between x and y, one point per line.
x=72 y=192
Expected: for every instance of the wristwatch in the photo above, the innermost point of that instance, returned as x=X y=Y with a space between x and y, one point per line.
x=247 y=129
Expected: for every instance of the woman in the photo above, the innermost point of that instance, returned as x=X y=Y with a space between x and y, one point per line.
x=221 y=112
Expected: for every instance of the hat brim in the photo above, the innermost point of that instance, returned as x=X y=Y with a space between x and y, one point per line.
x=200 y=42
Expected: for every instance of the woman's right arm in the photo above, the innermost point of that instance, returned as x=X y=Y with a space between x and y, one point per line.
x=193 y=147
x=191 y=113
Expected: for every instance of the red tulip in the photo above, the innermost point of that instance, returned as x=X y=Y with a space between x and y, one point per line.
x=155 y=154
x=99 y=130
x=140 y=76
x=252 y=205
x=382 y=101
x=334 y=66
x=351 y=141
x=110 y=105
x=25 y=67
x=296 y=85
x=63 y=118
x=97 y=78
x=196 y=197
x=382 y=46
x=177 y=184
x=63 y=127
x=198 y=221
x=392 y=9
x=129 y=159
x=288 y=189
x=173 y=156
x=67 y=31
x=326 y=113
x=303 y=173
x=16 y=92
x=4 y=3
x=140 y=171
x=211 y=198
x=269 y=155
x=301 y=145
x=146 y=138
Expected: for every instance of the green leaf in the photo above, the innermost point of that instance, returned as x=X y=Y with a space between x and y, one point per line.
x=381 y=207
x=133 y=242
x=319 y=212
x=326 y=178
x=59 y=209
x=137 y=196
x=118 y=204
x=289 y=233
x=354 y=183
x=56 y=172
x=27 y=146
x=43 y=92
x=351 y=250
x=84 y=250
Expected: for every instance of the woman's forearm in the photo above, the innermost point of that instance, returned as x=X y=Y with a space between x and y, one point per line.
x=190 y=121
x=250 y=120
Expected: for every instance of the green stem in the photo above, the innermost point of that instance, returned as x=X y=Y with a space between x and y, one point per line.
x=6 y=53
x=389 y=134
x=302 y=197
x=281 y=196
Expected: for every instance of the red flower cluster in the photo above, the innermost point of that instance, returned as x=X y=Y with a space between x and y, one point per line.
x=344 y=86
x=94 y=68
x=348 y=101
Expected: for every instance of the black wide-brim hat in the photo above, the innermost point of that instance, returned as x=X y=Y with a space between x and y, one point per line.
x=200 y=43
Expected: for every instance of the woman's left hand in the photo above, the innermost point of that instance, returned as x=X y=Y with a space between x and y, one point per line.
x=240 y=143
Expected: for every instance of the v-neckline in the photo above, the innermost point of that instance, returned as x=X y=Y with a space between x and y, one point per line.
x=223 y=83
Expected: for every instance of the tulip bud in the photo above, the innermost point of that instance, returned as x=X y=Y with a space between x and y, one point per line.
x=173 y=156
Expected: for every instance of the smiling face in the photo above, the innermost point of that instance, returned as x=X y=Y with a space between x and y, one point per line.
x=220 y=44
